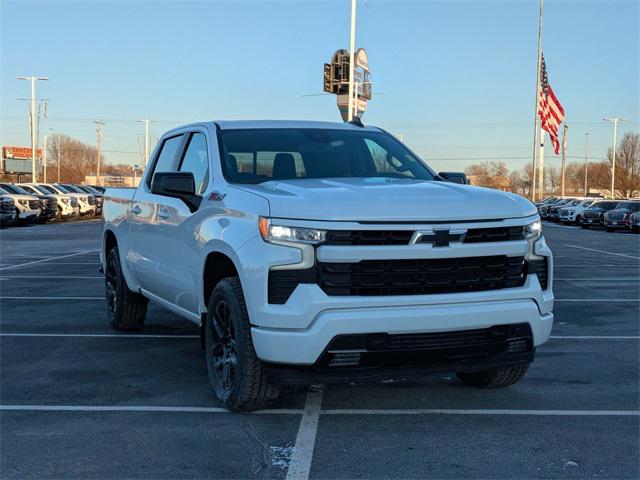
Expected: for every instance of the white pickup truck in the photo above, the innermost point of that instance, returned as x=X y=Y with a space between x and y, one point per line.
x=313 y=251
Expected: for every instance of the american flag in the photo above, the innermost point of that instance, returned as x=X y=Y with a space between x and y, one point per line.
x=550 y=111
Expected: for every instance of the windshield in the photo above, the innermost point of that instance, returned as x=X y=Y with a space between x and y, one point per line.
x=14 y=189
x=604 y=205
x=4 y=192
x=574 y=203
x=260 y=155
x=49 y=189
x=44 y=189
x=88 y=189
x=73 y=188
x=633 y=206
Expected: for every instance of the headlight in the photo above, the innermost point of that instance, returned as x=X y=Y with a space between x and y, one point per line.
x=281 y=233
x=24 y=203
x=533 y=230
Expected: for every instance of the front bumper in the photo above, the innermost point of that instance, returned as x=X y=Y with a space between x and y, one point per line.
x=7 y=218
x=621 y=224
x=29 y=214
x=299 y=331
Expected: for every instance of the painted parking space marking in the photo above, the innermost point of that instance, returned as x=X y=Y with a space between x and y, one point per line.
x=47 y=259
x=54 y=277
x=51 y=298
x=97 y=335
x=300 y=466
x=602 y=251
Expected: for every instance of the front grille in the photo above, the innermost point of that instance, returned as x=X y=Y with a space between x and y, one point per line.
x=501 y=234
x=403 y=237
x=368 y=237
x=34 y=204
x=51 y=203
x=7 y=206
x=615 y=217
x=73 y=201
x=91 y=200
x=591 y=214
x=564 y=212
x=420 y=277
x=402 y=277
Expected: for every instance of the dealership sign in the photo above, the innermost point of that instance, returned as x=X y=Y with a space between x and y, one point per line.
x=20 y=153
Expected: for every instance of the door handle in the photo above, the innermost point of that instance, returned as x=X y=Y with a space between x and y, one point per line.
x=163 y=214
x=136 y=210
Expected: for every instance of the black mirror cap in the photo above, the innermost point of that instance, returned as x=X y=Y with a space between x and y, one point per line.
x=180 y=185
x=455 y=177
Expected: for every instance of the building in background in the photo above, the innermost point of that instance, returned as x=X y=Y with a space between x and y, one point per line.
x=113 y=180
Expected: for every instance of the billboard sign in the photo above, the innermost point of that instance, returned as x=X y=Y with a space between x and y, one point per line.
x=20 y=153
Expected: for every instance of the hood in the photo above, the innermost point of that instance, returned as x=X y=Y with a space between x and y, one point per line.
x=387 y=199
x=19 y=196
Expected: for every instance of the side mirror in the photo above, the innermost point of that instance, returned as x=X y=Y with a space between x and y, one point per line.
x=177 y=185
x=455 y=177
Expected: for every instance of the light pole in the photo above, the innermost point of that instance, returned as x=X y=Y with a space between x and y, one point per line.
x=34 y=138
x=615 y=121
x=135 y=169
x=586 y=162
x=99 y=125
x=44 y=158
x=147 y=145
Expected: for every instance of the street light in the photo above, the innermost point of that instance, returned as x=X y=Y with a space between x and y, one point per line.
x=615 y=121
x=34 y=139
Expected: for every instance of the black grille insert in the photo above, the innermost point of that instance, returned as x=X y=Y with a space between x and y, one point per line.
x=500 y=234
x=402 y=277
x=368 y=237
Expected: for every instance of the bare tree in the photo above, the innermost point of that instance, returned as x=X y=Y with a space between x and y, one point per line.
x=627 y=165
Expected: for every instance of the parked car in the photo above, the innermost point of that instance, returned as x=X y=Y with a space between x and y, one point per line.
x=319 y=261
x=86 y=208
x=96 y=193
x=620 y=217
x=8 y=213
x=67 y=204
x=543 y=209
x=48 y=203
x=553 y=211
x=593 y=216
x=571 y=213
x=27 y=206
x=635 y=222
x=99 y=188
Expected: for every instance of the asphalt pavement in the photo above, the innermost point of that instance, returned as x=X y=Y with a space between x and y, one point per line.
x=78 y=400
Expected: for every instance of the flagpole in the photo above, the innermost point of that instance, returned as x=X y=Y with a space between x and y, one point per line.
x=541 y=164
x=535 y=110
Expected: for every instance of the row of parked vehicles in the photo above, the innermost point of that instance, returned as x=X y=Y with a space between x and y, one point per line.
x=590 y=212
x=23 y=203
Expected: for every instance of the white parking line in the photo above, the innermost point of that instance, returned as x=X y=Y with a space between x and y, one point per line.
x=311 y=416
x=602 y=251
x=47 y=259
x=300 y=465
x=595 y=337
x=595 y=300
x=58 y=277
x=446 y=411
x=143 y=335
x=576 y=279
x=51 y=298
x=96 y=335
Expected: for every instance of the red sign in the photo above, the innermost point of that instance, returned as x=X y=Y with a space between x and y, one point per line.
x=20 y=153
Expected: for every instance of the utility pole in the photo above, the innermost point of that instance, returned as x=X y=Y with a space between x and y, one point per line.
x=352 y=62
x=147 y=144
x=32 y=123
x=615 y=121
x=586 y=162
x=564 y=154
x=44 y=158
x=99 y=125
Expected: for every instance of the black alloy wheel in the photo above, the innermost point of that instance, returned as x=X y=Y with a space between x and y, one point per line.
x=224 y=352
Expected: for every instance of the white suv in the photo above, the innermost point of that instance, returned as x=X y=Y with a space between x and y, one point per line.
x=572 y=211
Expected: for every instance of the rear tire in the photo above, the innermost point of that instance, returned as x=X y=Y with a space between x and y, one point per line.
x=498 y=378
x=235 y=371
x=126 y=310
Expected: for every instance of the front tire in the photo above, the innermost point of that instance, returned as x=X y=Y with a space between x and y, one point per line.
x=235 y=371
x=498 y=378
x=126 y=310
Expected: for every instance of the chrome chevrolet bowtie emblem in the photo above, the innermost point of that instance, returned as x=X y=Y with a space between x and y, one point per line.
x=439 y=237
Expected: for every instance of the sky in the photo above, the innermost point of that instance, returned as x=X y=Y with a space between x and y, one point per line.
x=455 y=78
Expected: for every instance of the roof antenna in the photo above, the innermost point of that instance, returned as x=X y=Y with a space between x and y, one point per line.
x=357 y=122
